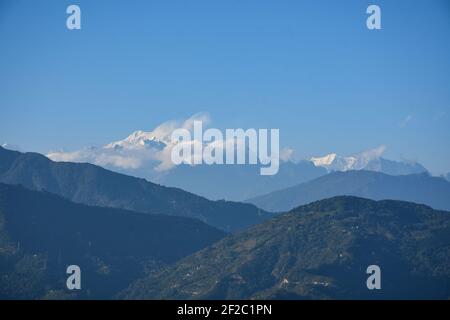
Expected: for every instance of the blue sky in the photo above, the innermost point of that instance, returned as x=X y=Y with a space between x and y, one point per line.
x=310 y=68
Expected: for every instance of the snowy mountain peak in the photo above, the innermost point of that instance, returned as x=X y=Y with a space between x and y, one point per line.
x=136 y=140
x=325 y=160
x=367 y=160
x=140 y=137
x=334 y=162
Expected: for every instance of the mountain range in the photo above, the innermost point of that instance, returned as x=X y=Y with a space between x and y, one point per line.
x=418 y=188
x=318 y=251
x=92 y=185
x=244 y=182
x=237 y=182
x=135 y=239
x=41 y=234
x=147 y=155
x=369 y=160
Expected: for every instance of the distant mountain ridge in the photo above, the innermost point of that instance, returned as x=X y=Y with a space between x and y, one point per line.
x=418 y=188
x=93 y=185
x=41 y=234
x=137 y=155
x=369 y=160
x=145 y=154
x=318 y=251
x=238 y=182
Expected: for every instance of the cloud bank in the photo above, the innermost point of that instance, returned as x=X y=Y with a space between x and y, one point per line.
x=140 y=149
x=149 y=151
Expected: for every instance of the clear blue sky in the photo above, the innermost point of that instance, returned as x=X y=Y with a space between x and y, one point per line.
x=310 y=68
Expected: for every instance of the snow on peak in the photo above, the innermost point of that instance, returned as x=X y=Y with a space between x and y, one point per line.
x=334 y=162
x=12 y=147
x=325 y=160
x=136 y=140
x=140 y=137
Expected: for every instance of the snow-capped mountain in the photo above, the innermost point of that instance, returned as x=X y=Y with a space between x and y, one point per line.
x=147 y=154
x=11 y=147
x=370 y=160
x=334 y=162
x=142 y=154
x=138 y=140
x=136 y=155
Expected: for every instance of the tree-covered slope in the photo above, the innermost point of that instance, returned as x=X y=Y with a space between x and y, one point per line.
x=93 y=185
x=41 y=234
x=419 y=188
x=319 y=251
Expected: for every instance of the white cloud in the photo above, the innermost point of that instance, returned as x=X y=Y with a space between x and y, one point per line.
x=149 y=150
x=286 y=154
x=104 y=157
x=373 y=154
x=405 y=121
x=149 y=153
